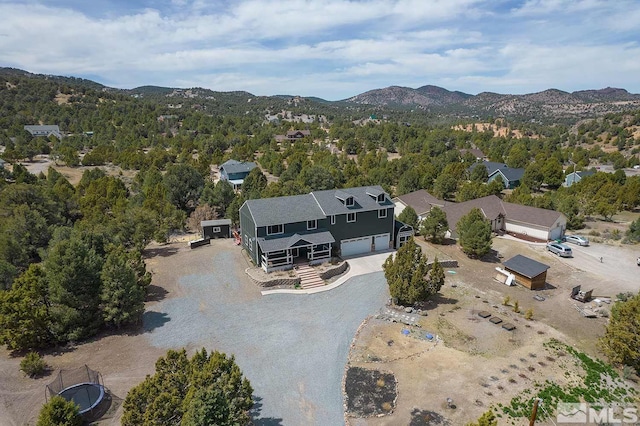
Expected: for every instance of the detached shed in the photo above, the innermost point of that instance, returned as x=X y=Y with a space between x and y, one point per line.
x=528 y=272
x=218 y=228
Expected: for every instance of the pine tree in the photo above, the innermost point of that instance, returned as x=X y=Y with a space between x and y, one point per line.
x=406 y=274
x=474 y=233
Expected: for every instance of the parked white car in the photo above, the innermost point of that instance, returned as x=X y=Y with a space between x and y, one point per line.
x=577 y=239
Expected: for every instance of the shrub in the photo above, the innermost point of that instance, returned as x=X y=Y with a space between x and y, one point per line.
x=516 y=307
x=529 y=314
x=506 y=301
x=33 y=365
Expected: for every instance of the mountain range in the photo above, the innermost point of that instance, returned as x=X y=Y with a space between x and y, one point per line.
x=548 y=105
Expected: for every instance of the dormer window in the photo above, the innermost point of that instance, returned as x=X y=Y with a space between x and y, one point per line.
x=380 y=198
x=348 y=202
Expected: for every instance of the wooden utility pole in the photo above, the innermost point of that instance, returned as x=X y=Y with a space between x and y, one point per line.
x=534 y=413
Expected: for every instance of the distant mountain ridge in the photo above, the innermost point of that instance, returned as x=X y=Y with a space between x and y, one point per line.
x=548 y=105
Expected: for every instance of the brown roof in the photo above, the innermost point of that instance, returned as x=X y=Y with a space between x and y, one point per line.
x=531 y=215
x=473 y=151
x=421 y=201
x=492 y=206
x=295 y=132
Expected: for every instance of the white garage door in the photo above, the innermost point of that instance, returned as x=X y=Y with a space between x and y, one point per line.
x=355 y=246
x=381 y=242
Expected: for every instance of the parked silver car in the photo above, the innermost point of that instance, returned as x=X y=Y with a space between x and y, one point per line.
x=577 y=239
x=560 y=249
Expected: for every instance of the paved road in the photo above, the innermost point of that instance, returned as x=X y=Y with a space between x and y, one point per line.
x=293 y=348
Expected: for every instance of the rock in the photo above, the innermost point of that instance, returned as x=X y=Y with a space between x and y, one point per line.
x=423 y=313
x=408 y=309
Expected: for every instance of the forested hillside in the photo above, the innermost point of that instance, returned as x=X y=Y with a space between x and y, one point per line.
x=70 y=256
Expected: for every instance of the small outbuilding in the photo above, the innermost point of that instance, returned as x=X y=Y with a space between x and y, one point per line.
x=530 y=273
x=218 y=228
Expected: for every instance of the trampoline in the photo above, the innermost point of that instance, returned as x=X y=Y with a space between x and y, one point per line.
x=82 y=385
x=87 y=396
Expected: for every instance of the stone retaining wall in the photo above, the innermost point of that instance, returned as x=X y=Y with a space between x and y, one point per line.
x=330 y=273
x=279 y=282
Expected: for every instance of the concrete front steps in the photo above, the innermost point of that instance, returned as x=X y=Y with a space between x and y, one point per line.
x=308 y=277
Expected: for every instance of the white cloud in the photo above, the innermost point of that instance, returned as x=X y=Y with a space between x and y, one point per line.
x=329 y=47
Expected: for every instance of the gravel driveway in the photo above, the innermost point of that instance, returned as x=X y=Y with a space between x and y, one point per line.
x=293 y=348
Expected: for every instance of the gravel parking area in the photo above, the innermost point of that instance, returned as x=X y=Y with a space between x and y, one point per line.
x=293 y=348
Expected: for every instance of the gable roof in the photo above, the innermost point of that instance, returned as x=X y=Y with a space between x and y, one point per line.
x=525 y=266
x=278 y=210
x=473 y=151
x=509 y=173
x=492 y=206
x=329 y=200
x=215 y=222
x=420 y=201
x=530 y=215
x=302 y=132
x=233 y=166
x=490 y=165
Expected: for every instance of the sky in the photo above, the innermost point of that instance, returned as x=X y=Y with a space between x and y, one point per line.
x=331 y=49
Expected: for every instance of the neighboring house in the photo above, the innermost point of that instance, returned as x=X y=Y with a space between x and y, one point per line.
x=479 y=155
x=235 y=172
x=510 y=176
x=277 y=232
x=574 y=177
x=420 y=201
x=218 y=228
x=45 y=131
x=528 y=272
x=293 y=135
x=541 y=224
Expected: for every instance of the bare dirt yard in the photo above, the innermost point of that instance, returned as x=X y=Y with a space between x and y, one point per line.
x=477 y=364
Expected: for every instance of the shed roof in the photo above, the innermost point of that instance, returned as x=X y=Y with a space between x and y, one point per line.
x=301 y=239
x=525 y=266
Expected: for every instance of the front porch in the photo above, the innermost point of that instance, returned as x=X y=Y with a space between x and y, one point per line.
x=284 y=252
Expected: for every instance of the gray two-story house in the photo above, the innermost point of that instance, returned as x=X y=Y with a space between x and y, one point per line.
x=277 y=232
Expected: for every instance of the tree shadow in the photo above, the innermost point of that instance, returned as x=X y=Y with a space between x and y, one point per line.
x=152 y=320
x=435 y=301
x=155 y=293
x=427 y=418
x=492 y=257
x=165 y=251
x=548 y=286
x=262 y=421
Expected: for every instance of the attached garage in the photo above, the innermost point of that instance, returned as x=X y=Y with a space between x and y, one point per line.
x=381 y=242
x=355 y=246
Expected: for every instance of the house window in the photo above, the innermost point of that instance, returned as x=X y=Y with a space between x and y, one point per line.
x=382 y=213
x=332 y=218
x=216 y=229
x=312 y=224
x=351 y=217
x=381 y=198
x=247 y=243
x=275 y=229
x=348 y=201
